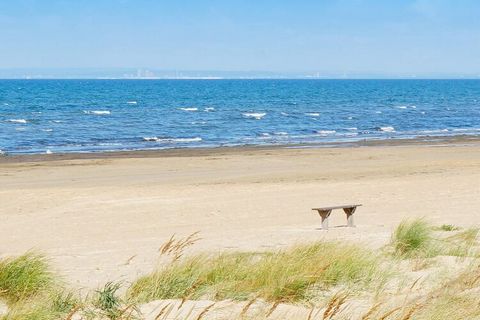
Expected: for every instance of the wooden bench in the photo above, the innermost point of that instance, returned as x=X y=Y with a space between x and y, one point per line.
x=326 y=211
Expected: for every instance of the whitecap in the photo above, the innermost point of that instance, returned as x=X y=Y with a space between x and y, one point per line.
x=23 y=121
x=56 y=121
x=312 y=114
x=2 y=152
x=352 y=129
x=326 y=132
x=208 y=109
x=47 y=130
x=188 y=109
x=172 y=140
x=48 y=151
x=386 y=129
x=402 y=107
x=97 y=112
x=350 y=118
x=254 y=115
x=281 y=133
x=378 y=112
x=284 y=114
x=131 y=102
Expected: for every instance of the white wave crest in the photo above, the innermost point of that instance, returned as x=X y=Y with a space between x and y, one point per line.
x=188 y=109
x=17 y=121
x=312 y=114
x=172 y=140
x=386 y=129
x=326 y=132
x=208 y=109
x=254 y=115
x=97 y=112
x=131 y=102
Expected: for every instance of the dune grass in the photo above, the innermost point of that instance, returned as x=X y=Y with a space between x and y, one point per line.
x=46 y=306
x=446 y=227
x=24 y=276
x=290 y=275
x=413 y=238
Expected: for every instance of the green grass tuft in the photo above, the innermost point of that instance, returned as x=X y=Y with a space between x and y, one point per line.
x=413 y=238
x=447 y=227
x=49 y=306
x=24 y=277
x=289 y=275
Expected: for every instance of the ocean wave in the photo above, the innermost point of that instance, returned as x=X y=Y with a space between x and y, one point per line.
x=209 y=109
x=188 y=109
x=48 y=151
x=23 y=121
x=131 y=102
x=386 y=129
x=56 y=121
x=97 y=112
x=254 y=115
x=284 y=114
x=326 y=132
x=172 y=140
x=312 y=114
x=352 y=129
x=281 y=133
x=47 y=130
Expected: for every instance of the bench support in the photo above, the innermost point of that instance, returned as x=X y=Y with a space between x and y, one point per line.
x=349 y=212
x=326 y=211
x=324 y=214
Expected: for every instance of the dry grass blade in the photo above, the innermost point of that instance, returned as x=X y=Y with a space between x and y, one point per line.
x=274 y=306
x=175 y=247
x=334 y=305
x=247 y=306
x=72 y=313
x=310 y=314
x=204 y=312
x=389 y=313
x=162 y=311
x=371 y=311
x=411 y=311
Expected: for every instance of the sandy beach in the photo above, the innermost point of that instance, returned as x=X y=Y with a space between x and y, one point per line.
x=104 y=218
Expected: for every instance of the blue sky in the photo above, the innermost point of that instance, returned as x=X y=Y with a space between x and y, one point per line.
x=336 y=36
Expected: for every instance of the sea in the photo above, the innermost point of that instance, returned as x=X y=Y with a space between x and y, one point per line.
x=63 y=116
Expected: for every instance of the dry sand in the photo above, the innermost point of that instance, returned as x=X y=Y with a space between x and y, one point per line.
x=104 y=218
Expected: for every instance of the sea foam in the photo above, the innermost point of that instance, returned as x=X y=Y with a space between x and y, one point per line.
x=97 y=112
x=188 y=109
x=172 y=140
x=254 y=115
x=386 y=129
x=23 y=121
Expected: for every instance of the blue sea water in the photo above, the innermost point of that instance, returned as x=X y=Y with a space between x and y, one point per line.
x=38 y=116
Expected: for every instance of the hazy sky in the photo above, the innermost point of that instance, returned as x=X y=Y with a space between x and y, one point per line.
x=353 y=36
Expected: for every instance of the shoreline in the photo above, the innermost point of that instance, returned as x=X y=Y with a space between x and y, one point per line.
x=451 y=141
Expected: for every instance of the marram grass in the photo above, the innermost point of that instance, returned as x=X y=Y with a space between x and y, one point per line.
x=24 y=277
x=290 y=275
x=413 y=238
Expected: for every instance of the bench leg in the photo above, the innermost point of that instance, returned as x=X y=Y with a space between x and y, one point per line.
x=324 y=214
x=349 y=212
